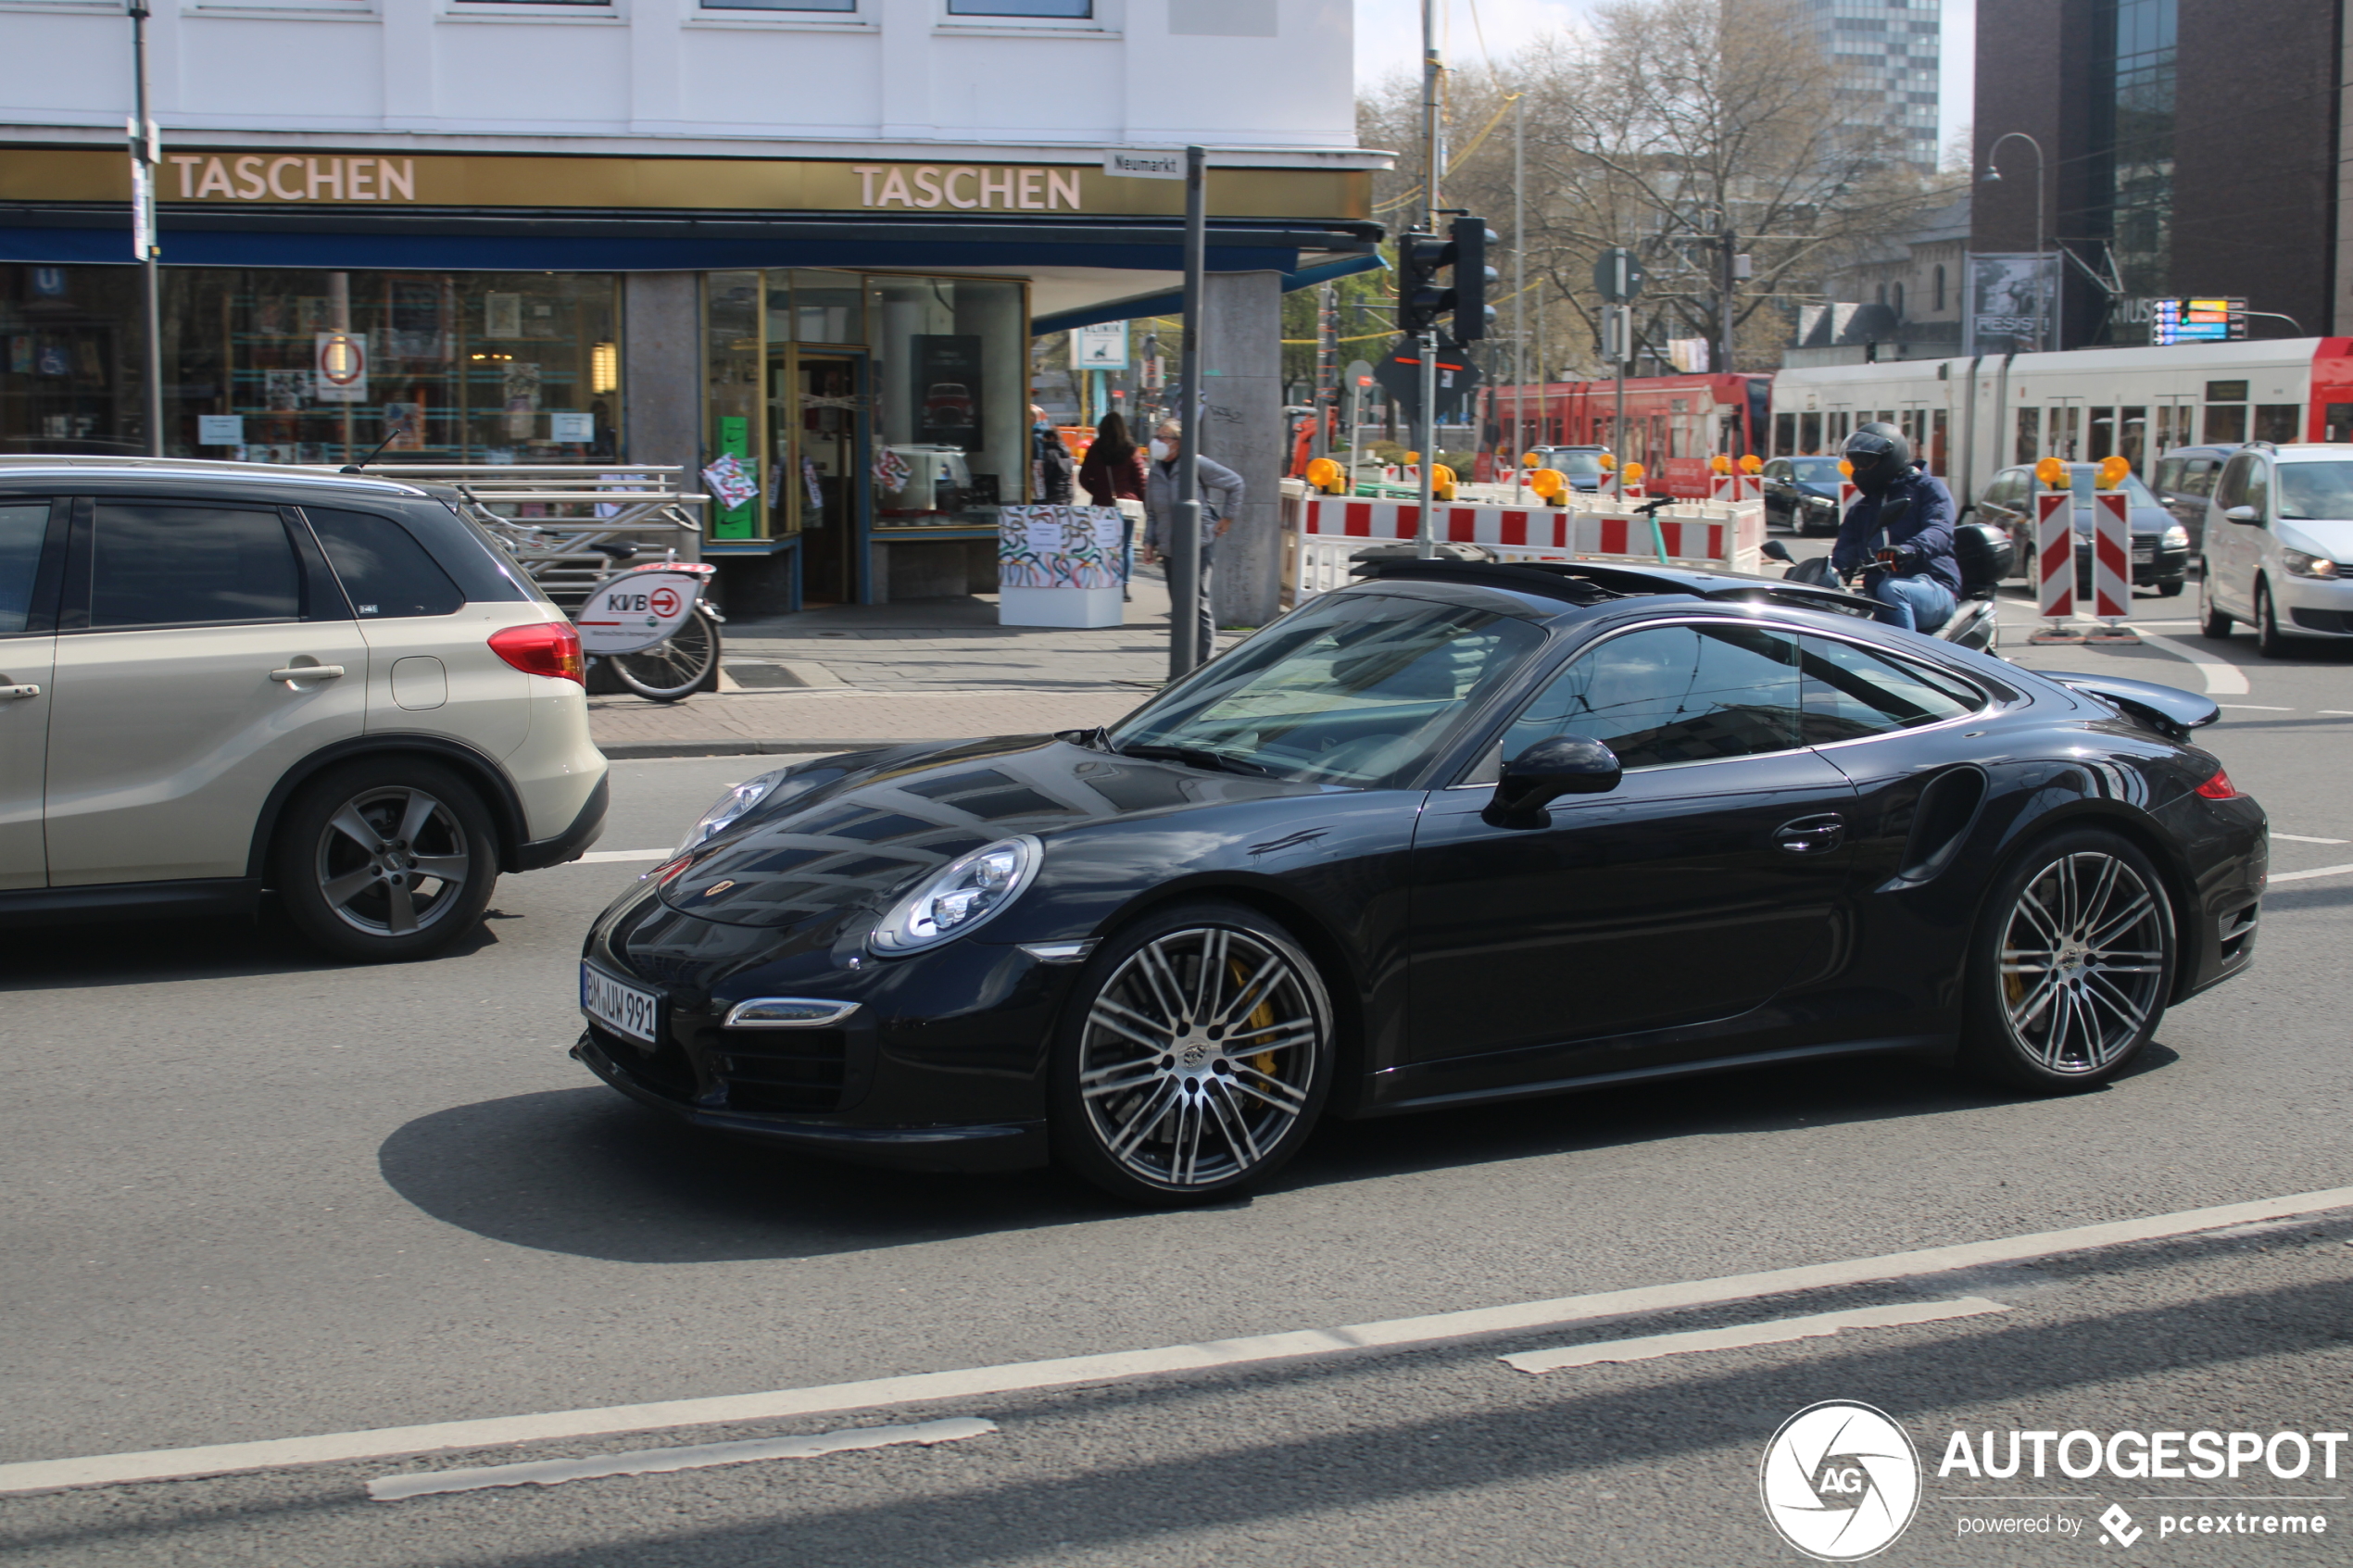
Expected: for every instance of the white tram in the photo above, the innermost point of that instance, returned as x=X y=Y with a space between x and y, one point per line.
x=1971 y=417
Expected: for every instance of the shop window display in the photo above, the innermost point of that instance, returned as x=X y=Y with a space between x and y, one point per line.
x=951 y=416
x=438 y=366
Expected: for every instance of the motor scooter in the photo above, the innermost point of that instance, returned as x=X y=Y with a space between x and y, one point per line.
x=1985 y=556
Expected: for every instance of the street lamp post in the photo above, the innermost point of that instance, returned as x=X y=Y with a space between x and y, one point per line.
x=145 y=241
x=1993 y=176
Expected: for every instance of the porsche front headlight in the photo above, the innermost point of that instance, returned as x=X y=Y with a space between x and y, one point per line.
x=732 y=807
x=959 y=896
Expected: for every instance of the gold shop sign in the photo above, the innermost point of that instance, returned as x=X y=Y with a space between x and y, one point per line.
x=230 y=177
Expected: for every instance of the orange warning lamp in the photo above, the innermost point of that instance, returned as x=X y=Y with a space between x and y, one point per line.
x=2112 y=471
x=2052 y=473
x=1606 y=461
x=1634 y=473
x=1547 y=482
x=1441 y=483
x=1323 y=474
x=1529 y=460
x=1846 y=469
x=1719 y=464
x=1752 y=464
x=1411 y=458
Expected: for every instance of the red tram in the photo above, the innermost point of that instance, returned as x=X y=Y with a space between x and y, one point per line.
x=1673 y=423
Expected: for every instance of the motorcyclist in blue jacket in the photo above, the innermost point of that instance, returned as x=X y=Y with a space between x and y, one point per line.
x=1899 y=535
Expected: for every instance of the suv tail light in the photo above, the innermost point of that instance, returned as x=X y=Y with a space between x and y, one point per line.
x=2219 y=787
x=548 y=647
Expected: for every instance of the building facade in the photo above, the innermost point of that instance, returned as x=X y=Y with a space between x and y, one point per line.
x=814 y=237
x=2188 y=148
x=1883 y=56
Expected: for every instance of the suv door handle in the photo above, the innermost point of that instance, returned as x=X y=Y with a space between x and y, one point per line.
x=1811 y=835
x=293 y=672
x=20 y=691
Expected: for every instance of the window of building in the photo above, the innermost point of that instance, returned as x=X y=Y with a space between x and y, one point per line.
x=1939 y=286
x=2130 y=162
x=779 y=4
x=1895 y=298
x=1073 y=10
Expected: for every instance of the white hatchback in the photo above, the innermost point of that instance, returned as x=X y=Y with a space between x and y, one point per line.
x=218 y=680
x=2278 y=546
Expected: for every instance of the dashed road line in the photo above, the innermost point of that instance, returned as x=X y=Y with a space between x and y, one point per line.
x=624 y=854
x=1780 y=1331
x=663 y=1462
x=115 y=1469
x=2307 y=876
x=2299 y=838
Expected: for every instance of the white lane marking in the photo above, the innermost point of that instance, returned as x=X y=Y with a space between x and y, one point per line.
x=662 y=1461
x=387 y=1442
x=2220 y=675
x=2338 y=712
x=2307 y=876
x=626 y=855
x=2299 y=838
x=1780 y=1331
x=2256 y=707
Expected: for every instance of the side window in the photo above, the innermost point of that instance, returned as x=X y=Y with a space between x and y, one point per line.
x=2230 y=490
x=2258 y=487
x=2198 y=479
x=23 y=526
x=2169 y=477
x=1849 y=693
x=1673 y=694
x=1777 y=468
x=158 y=564
x=387 y=572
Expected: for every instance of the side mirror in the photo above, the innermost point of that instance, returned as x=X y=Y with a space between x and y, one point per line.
x=1773 y=549
x=2244 y=514
x=1546 y=771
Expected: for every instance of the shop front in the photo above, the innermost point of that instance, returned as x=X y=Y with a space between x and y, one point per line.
x=840 y=347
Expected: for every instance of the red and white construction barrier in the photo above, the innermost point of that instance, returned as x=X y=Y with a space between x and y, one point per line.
x=2111 y=556
x=1736 y=487
x=2055 y=553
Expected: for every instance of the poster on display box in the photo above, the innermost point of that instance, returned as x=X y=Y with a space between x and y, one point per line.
x=946 y=386
x=1058 y=548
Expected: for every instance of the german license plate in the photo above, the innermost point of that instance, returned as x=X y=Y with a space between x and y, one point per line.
x=624 y=1009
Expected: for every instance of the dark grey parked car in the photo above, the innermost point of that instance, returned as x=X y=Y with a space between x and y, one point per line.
x=2161 y=545
x=2185 y=478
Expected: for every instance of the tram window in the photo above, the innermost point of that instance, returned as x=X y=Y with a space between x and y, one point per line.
x=2131 y=437
x=2225 y=422
x=1809 y=433
x=2340 y=421
x=2066 y=432
x=2277 y=421
x=1785 y=433
x=2103 y=434
x=2030 y=436
x=1936 y=453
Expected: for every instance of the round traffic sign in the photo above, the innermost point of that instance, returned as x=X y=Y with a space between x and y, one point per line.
x=342 y=361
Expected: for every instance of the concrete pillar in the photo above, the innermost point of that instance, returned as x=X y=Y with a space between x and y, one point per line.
x=1242 y=428
x=662 y=375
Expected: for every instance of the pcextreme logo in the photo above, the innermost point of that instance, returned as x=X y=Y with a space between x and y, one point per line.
x=1840 y=1481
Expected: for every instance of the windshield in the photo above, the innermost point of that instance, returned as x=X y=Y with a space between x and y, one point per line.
x=1814 y=471
x=1353 y=688
x=2312 y=491
x=1580 y=465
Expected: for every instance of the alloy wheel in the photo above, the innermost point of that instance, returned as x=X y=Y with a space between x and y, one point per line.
x=394 y=861
x=1199 y=1057
x=2082 y=961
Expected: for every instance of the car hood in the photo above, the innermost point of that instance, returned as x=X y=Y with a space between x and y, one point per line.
x=868 y=826
x=2318 y=537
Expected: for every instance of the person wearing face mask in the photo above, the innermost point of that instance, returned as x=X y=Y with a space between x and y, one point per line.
x=1900 y=534
x=1051 y=467
x=1220 y=490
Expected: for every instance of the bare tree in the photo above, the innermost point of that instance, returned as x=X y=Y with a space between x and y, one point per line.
x=1684 y=130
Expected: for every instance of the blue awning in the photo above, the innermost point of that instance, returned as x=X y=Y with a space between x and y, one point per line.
x=1294 y=277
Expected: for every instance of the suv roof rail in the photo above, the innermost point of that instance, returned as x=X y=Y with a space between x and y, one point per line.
x=2266 y=446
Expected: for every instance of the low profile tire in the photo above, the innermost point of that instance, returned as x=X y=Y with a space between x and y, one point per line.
x=1194 y=1057
x=384 y=860
x=2211 y=621
x=2072 y=965
x=2268 y=640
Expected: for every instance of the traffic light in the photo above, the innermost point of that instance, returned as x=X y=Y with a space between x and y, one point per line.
x=1423 y=300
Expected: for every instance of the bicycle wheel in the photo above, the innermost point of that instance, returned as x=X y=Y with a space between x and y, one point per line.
x=676 y=667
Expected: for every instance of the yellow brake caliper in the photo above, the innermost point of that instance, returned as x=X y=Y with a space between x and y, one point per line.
x=1262 y=1018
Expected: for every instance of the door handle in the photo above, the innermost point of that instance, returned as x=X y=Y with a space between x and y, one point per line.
x=1811 y=835
x=20 y=691
x=293 y=672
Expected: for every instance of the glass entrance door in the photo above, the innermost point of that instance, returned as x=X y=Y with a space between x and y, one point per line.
x=817 y=421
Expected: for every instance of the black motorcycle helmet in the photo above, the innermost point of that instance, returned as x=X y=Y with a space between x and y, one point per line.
x=1879 y=452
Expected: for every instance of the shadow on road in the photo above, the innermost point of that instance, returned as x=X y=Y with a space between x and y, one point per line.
x=584 y=1172
x=153 y=952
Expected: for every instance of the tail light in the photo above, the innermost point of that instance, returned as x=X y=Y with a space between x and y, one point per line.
x=546 y=647
x=2219 y=787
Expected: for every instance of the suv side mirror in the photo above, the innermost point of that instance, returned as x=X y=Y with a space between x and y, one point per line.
x=1546 y=771
x=1773 y=549
x=2243 y=514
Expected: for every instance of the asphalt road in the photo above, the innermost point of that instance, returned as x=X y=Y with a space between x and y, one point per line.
x=257 y=1197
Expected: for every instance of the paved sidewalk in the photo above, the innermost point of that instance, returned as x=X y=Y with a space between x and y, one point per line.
x=852 y=676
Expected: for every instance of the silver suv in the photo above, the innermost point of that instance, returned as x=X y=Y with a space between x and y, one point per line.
x=222 y=679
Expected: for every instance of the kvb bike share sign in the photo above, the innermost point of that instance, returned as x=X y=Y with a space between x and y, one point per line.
x=637 y=609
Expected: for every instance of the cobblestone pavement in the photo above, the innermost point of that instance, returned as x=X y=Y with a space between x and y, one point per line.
x=851 y=675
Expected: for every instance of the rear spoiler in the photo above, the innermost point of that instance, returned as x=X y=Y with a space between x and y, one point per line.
x=2169 y=710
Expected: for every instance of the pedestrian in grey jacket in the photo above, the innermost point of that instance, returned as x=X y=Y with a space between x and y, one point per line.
x=1220 y=490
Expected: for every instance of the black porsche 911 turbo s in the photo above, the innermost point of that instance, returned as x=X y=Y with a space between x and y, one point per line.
x=1459 y=832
